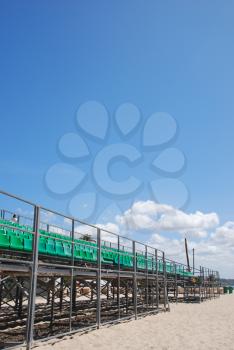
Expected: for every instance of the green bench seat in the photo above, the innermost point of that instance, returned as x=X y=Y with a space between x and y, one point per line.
x=4 y=240
x=16 y=243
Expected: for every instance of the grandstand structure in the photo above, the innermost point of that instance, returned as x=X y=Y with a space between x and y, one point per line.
x=59 y=276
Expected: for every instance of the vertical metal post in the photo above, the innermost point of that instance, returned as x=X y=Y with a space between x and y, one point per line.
x=200 y=281
x=17 y=295
x=157 y=289
x=187 y=255
x=98 y=320
x=153 y=266
x=52 y=303
x=118 y=285
x=33 y=286
x=213 y=283
x=193 y=260
x=176 y=286
x=126 y=297
x=134 y=278
x=48 y=297
x=165 y=283
x=20 y=303
x=113 y=290
x=61 y=294
x=184 y=283
x=72 y=282
x=218 y=283
x=208 y=283
x=204 y=282
x=1 y=285
x=147 y=277
x=107 y=290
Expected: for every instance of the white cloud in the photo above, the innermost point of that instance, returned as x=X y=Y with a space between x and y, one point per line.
x=216 y=251
x=214 y=244
x=152 y=216
x=174 y=248
x=111 y=227
x=224 y=234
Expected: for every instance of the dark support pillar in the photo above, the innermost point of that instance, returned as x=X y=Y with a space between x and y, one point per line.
x=33 y=286
x=107 y=290
x=48 y=296
x=135 y=279
x=184 y=284
x=118 y=282
x=20 y=300
x=91 y=296
x=113 y=289
x=176 y=286
x=165 y=283
x=52 y=302
x=98 y=316
x=193 y=261
x=126 y=297
x=146 y=279
x=61 y=294
x=74 y=293
x=73 y=279
x=157 y=286
x=17 y=295
x=1 y=291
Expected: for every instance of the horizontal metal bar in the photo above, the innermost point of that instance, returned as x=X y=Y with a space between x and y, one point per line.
x=16 y=197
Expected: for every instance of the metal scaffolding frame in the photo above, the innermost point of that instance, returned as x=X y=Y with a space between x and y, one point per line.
x=42 y=297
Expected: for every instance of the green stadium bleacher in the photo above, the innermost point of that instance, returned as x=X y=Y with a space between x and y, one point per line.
x=14 y=237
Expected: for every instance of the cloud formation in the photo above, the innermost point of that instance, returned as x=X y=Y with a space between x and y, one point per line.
x=157 y=225
x=152 y=216
x=213 y=243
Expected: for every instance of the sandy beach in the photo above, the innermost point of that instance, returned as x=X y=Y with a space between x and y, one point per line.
x=209 y=325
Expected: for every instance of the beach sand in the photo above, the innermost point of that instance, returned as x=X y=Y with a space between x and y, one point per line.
x=209 y=325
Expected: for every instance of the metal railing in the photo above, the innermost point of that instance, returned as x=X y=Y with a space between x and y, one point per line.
x=151 y=278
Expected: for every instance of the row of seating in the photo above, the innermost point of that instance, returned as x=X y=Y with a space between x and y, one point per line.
x=54 y=244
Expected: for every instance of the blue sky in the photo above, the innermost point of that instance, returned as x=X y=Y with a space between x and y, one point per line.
x=162 y=56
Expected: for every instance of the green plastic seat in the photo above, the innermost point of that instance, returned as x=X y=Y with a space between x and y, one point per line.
x=67 y=249
x=59 y=248
x=16 y=243
x=94 y=253
x=4 y=240
x=78 y=252
x=50 y=247
x=128 y=261
x=11 y=233
x=88 y=254
x=120 y=259
x=28 y=244
x=42 y=246
x=20 y=234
